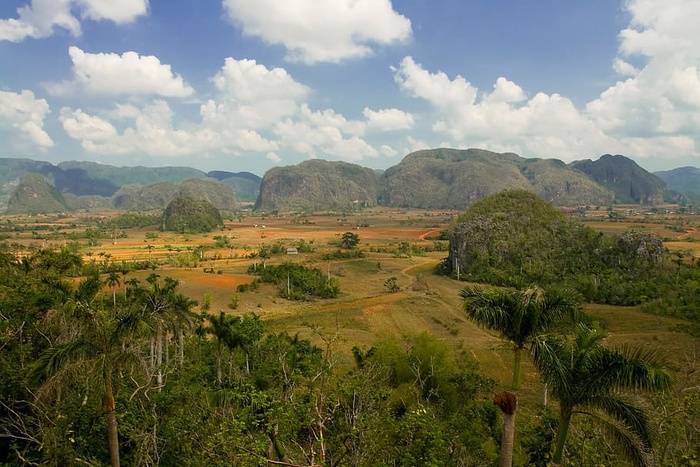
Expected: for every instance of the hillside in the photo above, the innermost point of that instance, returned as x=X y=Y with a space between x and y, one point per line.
x=245 y=184
x=318 y=185
x=453 y=178
x=629 y=182
x=682 y=179
x=158 y=195
x=34 y=195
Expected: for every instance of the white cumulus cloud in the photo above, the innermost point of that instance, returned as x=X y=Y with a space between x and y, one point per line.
x=110 y=74
x=23 y=113
x=40 y=18
x=321 y=31
x=656 y=111
x=653 y=112
x=388 y=119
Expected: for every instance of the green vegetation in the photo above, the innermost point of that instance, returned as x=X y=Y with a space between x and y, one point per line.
x=34 y=195
x=191 y=215
x=515 y=238
x=318 y=185
x=590 y=379
x=349 y=240
x=297 y=282
x=105 y=356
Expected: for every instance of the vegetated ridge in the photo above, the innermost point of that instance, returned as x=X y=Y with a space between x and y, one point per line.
x=454 y=178
x=318 y=185
x=629 y=182
x=682 y=179
x=88 y=184
x=435 y=178
x=35 y=195
x=185 y=214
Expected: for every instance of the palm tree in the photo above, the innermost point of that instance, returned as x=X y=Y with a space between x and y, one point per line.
x=113 y=282
x=222 y=328
x=90 y=351
x=588 y=378
x=518 y=316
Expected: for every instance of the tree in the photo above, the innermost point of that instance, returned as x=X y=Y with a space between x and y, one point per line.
x=349 y=240
x=113 y=282
x=518 y=316
x=588 y=378
x=92 y=351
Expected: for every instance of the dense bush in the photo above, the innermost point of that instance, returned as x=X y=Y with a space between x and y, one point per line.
x=297 y=282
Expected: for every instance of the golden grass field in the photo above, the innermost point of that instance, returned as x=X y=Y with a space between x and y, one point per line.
x=365 y=312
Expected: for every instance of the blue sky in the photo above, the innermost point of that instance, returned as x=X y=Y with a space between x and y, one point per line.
x=250 y=84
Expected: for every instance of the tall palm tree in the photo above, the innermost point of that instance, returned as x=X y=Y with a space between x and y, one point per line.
x=518 y=316
x=91 y=351
x=221 y=327
x=588 y=378
x=113 y=282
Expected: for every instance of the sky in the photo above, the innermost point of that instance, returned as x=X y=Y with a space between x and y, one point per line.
x=246 y=85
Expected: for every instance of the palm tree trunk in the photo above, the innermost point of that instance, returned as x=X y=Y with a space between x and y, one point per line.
x=181 y=341
x=218 y=363
x=562 y=432
x=159 y=355
x=517 y=366
x=112 y=433
x=508 y=403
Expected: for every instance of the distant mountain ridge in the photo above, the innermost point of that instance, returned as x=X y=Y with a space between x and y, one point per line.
x=682 y=179
x=455 y=178
x=89 y=184
x=433 y=178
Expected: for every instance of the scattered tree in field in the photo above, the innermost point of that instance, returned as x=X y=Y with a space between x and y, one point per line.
x=113 y=282
x=392 y=285
x=349 y=240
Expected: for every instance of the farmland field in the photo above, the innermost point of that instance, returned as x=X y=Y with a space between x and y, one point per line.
x=400 y=244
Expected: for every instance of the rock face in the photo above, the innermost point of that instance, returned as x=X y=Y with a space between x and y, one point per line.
x=629 y=182
x=34 y=195
x=318 y=185
x=454 y=178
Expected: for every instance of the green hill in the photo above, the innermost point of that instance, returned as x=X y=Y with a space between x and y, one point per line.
x=318 y=185
x=682 y=179
x=185 y=214
x=453 y=178
x=34 y=195
x=629 y=182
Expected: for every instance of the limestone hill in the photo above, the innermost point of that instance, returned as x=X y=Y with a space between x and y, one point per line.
x=318 y=185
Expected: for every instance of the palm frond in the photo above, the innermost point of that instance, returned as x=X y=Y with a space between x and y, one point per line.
x=549 y=357
x=627 y=442
x=626 y=412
